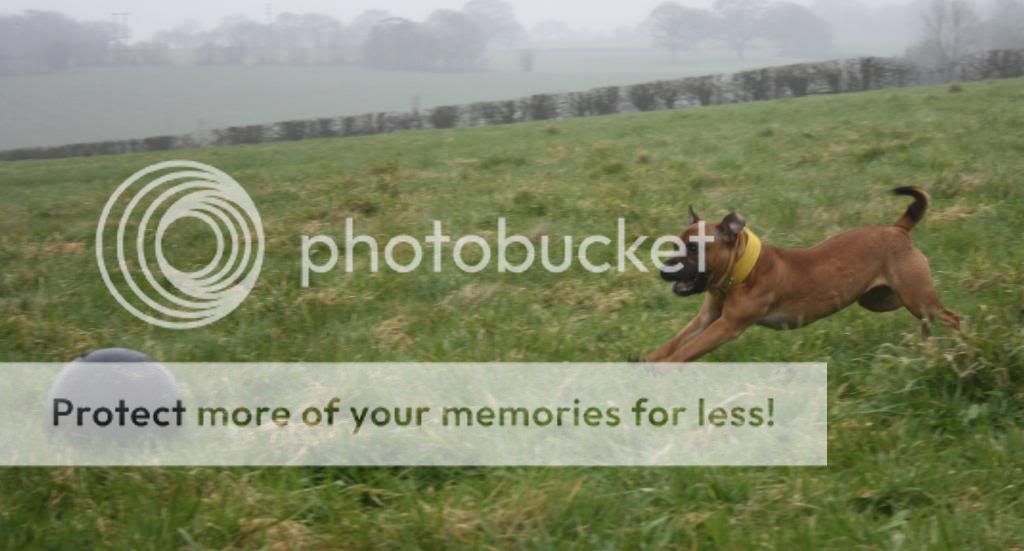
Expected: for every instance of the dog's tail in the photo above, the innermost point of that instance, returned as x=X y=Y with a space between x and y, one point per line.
x=915 y=212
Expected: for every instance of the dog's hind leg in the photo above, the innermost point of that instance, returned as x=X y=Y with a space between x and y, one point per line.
x=925 y=306
x=913 y=285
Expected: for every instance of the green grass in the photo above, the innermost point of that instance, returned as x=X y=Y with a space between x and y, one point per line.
x=926 y=448
x=135 y=102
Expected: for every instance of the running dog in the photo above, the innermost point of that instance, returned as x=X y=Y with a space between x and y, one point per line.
x=746 y=282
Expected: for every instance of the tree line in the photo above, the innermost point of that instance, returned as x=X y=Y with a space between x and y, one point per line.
x=740 y=25
x=448 y=40
x=952 y=29
x=946 y=30
x=36 y=42
x=457 y=40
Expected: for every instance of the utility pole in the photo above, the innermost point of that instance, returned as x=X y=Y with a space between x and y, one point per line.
x=120 y=19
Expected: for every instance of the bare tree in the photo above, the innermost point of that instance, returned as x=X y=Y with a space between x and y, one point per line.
x=950 y=31
x=459 y=41
x=359 y=28
x=242 y=40
x=400 y=44
x=498 y=20
x=797 y=30
x=1005 y=30
x=677 y=28
x=309 y=38
x=740 y=23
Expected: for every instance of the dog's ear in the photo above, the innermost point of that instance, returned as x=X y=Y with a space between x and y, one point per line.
x=694 y=218
x=731 y=226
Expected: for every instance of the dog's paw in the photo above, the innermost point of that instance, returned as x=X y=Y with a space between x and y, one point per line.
x=657 y=369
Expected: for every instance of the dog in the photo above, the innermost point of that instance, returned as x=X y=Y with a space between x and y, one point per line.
x=749 y=283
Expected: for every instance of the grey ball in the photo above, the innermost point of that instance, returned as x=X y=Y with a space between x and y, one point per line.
x=113 y=355
x=100 y=381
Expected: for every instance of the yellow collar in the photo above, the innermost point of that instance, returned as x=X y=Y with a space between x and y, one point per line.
x=745 y=265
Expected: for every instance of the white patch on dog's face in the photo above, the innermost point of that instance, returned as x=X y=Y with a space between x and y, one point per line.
x=684 y=288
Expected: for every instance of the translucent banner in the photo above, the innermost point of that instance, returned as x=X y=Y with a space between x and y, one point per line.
x=404 y=414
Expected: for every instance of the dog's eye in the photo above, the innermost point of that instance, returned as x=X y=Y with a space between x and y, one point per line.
x=691 y=248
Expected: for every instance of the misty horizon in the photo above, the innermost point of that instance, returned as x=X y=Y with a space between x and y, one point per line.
x=73 y=73
x=145 y=18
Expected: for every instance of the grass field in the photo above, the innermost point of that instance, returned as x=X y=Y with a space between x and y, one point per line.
x=926 y=447
x=135 y=102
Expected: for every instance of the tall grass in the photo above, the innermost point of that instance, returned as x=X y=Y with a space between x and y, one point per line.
x=925 y=442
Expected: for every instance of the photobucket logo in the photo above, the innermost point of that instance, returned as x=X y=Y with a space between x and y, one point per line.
x=618 y=253
x=145 y=206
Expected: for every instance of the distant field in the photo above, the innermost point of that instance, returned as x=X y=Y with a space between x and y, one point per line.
x=104 y=103
x=926 y=445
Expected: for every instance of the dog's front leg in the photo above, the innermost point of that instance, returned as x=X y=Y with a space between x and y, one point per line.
x=710 y=310
x=718 y=333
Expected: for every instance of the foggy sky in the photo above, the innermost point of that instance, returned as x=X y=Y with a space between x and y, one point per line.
x=149 y=16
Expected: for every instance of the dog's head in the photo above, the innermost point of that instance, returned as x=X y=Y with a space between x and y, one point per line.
x=683 y=270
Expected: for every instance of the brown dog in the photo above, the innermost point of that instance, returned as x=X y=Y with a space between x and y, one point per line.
x=748 y=283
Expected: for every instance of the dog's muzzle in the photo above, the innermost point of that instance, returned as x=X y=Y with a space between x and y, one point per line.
x=686 y=279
